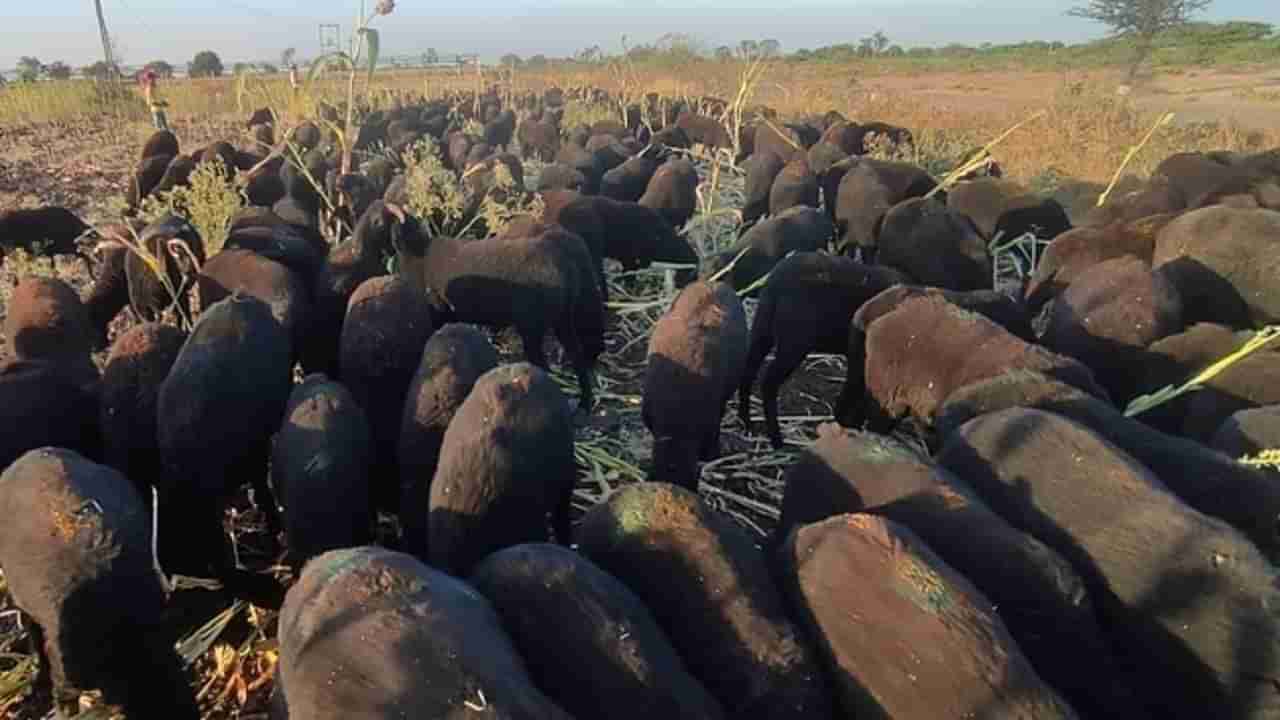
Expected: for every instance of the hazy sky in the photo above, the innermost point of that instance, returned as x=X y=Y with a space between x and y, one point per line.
x=259 y=29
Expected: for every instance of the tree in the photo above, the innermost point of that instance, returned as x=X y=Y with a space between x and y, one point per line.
x=537 y=61
x=510 y=60
x=268 y=68
x=98 y=71
x=241 y=67
x=770 y=48
x=287 y=56
x=29 y=68
x=161 y=68
x=205 y=64
x=749 y=48
x=723 y=53
x=1140 y=20
x=879 y=41
x=58 y=70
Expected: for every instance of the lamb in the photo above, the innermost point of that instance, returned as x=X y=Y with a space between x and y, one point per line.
x=547 y=281
x=76 y=552
x=696 y=354
x=805 y=307
x=46 y=322
x=45 y=231
x=454 y=358
x=506 y=462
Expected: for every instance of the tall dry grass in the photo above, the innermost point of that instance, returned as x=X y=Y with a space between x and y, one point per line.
x=1085 y=133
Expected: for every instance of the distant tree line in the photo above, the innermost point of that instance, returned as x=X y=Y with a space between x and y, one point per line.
x=1166 y=33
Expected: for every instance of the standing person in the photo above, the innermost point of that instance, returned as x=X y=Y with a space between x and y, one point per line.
x=148 y=79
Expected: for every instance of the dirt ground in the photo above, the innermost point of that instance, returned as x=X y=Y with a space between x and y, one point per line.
x=1250 y=98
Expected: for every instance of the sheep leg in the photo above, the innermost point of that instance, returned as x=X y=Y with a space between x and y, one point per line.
x=760 y=347
x=43 y=683
x=531 y=339
x=710 y=449
x=261 y=590
x=850 y=409
x=785 y=362
x=581 y=366
x=560 y=522
x=254 y=465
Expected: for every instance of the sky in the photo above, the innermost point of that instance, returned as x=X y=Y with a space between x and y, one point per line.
x=258 y=30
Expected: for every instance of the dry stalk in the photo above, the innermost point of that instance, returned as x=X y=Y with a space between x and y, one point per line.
x=1129 y=156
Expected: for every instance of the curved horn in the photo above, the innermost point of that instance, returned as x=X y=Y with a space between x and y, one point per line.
x=395 y=210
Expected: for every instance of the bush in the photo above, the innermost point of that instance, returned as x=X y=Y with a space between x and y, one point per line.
x=208 y=203
x=205 y=64
x=435 y=195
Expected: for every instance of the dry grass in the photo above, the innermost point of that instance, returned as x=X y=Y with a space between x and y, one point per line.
x=1081 y=130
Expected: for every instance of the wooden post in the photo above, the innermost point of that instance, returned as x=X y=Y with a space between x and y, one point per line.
x=106 y=39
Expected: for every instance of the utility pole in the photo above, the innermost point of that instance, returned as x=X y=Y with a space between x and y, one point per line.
x=106 y=39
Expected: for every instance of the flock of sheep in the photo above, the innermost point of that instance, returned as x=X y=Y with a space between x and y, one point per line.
x=1035 y=552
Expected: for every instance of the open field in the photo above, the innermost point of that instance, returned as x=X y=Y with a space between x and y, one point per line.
x=73 y=145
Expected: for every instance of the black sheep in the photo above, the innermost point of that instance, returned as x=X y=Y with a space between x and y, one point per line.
x=44 y=231
x=781 y=141
x=589 y=164
x=457 y=148
x=506 y=462
x=388 y=322
x=628 y=181
x=696 y=356
x=248 y=272
x=853 y=137
x=795 y=185
x=545 y=281
x=498 y=132
x=266 y=187
x=703 y=130
x=47 y=323
x=589 y=641
x=109 y=293
x=709 y=587
x=539 y=139
x=867 y=189
x=161 y=142
x=222 y=153
x=40 y=405
x=176 y=174
x=822 y=157
x=636 y=235
x=76 y=553
x=453 y=359
x=350 y=263
x=320 y=466
x=178 y=250
x=762 y=169
x=300 y=249
x=673 y=192
x=672 y=137
x=146 y=176
x=560 y=177
x=800 y=229
x=934 y=245
x=805 y=307
x=373 y=634
x=219 y=405
x=139 y=362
